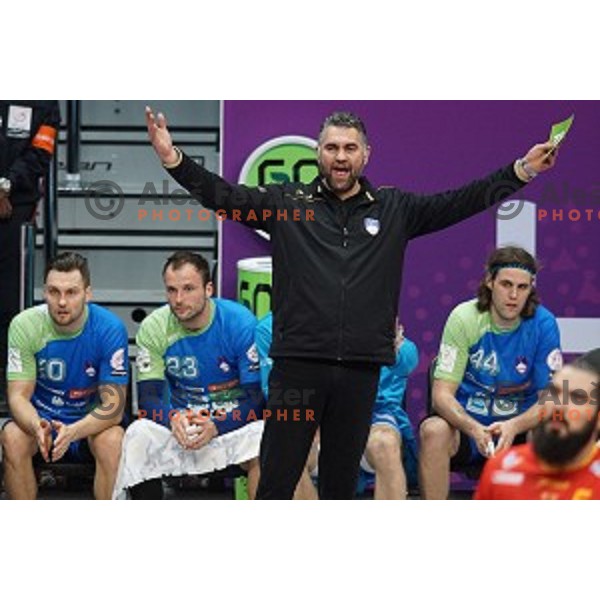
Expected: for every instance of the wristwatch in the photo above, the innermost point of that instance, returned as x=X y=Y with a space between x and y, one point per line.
x=5 y=185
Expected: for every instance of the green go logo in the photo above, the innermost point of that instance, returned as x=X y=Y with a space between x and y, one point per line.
x=281 y=160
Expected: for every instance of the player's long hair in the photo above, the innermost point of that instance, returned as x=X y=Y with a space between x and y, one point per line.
x=503 y=258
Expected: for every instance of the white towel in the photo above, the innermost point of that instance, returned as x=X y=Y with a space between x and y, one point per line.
x=151 y=451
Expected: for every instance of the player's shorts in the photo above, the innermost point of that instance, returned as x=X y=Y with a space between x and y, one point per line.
x=395 y=418
x=150 y=451
x=468 y=456
x=79 y=451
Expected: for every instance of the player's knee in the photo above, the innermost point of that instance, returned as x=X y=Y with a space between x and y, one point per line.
x=435 y=433
x=106 y=446
x=16 y=444
x=383 y=447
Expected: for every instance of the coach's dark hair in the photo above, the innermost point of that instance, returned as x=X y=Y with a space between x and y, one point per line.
x=344 y=119
x=506 y=258
x=183 y=257
x=66 y=262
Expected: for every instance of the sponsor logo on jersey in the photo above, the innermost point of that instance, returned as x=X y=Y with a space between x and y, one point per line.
x=77 y=393
x=220 y=406
x=252 y=354
x=508 y=478
x=511 y=460
x=90 y=371
x=117 y=362
x=478 y=406
x=57 y=401
x=142 y=361
x=224 y=365
x=221 y=387
x=447 y=358
x=555 y=360
x=521 y=365
x=503 y=407
x=15 y=363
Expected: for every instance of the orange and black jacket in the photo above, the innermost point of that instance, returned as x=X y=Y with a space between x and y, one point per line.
x=28 y=137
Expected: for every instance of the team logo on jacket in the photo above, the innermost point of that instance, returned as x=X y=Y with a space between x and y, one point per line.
x=372 y=226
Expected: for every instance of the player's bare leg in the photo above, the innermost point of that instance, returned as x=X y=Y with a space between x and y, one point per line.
x=439 y=443
x=106 y=448
x=19 y=448
x=384 y=454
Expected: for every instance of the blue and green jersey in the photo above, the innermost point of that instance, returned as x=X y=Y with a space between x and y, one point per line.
x=499 y=372
x=67 y=368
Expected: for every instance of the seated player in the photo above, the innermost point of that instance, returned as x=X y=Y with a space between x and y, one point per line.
x=67 y=382
x=496 y=357
x=391 y=447
x=391 y=453
x=198 y=387
x=562 y=461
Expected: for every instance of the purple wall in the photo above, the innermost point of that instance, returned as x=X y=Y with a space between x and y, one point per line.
x=431 y=146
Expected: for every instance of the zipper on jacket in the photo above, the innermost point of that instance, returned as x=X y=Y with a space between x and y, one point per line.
x=345 y=240
x=344 y=214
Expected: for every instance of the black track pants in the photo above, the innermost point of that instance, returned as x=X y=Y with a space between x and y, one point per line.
x=303 y=396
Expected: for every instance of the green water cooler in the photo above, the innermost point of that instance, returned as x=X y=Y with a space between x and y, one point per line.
x=254 y=284
x=254 y=292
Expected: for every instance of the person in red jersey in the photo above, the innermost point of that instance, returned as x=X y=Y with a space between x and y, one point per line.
x=562 y=461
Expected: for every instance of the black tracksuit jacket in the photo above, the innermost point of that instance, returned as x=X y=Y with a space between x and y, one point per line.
x=337 y=271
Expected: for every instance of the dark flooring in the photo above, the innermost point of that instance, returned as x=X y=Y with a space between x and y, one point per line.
x=189 y=488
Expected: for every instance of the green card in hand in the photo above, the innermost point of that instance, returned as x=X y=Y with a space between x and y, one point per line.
x=560 y=130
